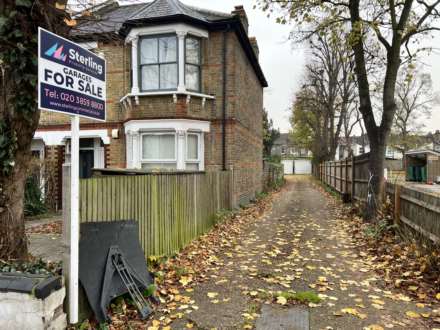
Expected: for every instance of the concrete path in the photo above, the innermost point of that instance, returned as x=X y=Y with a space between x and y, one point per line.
x=298 y=246
x=45 y=246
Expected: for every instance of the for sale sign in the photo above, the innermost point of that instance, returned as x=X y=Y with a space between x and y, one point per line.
x=71 y=79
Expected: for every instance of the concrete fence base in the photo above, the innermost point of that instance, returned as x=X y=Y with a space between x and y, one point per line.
x=23 y=311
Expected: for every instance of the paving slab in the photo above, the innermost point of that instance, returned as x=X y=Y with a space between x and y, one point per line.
x=277 y=318
x=46 y=246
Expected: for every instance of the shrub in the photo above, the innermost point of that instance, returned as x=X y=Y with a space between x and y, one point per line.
x=33 y=201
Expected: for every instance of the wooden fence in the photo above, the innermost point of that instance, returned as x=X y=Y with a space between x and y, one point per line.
x=417 y=209
x=273 y=175
x=349 y=176
x=172 y=209
x=414 y=207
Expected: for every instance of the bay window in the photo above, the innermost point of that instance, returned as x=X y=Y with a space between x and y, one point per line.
x=158 y=150
x=192 y=63
x=192 y=162
x=168 y=144
x=168 y=62
x=158 y=63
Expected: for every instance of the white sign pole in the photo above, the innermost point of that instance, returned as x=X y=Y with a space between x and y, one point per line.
x=74 y=222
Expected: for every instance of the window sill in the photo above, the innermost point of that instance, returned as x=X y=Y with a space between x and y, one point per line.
x=127 y=99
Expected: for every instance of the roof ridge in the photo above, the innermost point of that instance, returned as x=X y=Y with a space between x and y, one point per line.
x=175 y=3
x=204 y=10
x=146 y=5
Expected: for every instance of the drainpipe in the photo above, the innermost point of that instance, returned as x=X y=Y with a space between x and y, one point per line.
x=224 y=99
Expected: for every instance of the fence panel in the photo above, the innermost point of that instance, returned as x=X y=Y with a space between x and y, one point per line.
x=171 y=209
x=417 y=209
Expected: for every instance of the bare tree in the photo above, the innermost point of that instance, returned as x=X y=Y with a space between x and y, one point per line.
x=376 y=27
x=352 y=119
x=414 y=100
x=322 y=106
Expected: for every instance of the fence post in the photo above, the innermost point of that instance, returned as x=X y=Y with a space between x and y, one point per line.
x=231 y=187
x=326 y=172
x=66 y=227
x=397 y=204
x=346 y=176
x=340 y=177
x=353 y=193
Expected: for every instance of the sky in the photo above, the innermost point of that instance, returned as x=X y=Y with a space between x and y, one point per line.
x=283 y=63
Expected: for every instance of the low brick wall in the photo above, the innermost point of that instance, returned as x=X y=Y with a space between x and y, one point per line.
x=23 y=311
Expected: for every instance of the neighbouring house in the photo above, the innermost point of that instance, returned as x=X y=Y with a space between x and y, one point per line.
x=184 y=92
x=433 y=141
x=284 y=147
x=359 y=145
x=296 y=160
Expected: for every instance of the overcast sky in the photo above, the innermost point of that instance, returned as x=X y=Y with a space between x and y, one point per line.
x=283 y=62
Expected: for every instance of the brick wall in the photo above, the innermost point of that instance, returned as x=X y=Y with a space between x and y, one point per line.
x=54 y=158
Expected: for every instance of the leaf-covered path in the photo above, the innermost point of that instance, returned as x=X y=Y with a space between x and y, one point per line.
x=299 y=245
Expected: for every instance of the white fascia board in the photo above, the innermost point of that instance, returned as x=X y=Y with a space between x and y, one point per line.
x=54 y=138
x=166 y=28
x=167 y=124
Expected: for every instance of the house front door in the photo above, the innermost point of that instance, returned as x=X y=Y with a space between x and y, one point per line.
x=85 y=163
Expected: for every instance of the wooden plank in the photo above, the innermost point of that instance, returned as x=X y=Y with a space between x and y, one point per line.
x=422 y=204
x=419 y=229
x=397 y=204
x=171 y=209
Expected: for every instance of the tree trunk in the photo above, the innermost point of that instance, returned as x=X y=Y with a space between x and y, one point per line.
x=18 y=109
x=13 y=242
x=376 y=163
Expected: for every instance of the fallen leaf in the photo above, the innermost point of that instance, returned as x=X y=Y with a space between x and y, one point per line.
x=374 y=327
x=281 y=300
x=412 y=314
x=184 y=280
x=212 y=294
x=353 y=311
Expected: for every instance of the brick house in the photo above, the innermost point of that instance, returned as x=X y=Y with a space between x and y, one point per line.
x=283 y=146
x=184 y=92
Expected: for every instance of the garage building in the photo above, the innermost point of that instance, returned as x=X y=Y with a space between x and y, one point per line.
x=422 y=166
x=297 y=166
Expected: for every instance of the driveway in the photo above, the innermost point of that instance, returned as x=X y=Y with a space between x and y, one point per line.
x=301 y=246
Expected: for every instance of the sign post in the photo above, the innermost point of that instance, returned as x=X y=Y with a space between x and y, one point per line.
x=71 y=80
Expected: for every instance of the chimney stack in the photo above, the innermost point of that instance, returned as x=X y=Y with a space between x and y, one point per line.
x=241 y=13
x=254 y=45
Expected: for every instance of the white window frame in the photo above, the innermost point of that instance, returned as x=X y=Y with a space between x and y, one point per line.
x=134 y=129
x=198 y=160
x=181 y=30
x=156 y=37
x=198 y=66
x=158 y=161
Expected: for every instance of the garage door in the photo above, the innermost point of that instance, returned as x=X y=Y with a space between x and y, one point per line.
x=303 y=166
x=288 y=166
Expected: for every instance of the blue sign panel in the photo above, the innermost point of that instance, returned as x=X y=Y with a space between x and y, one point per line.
x=71 y=79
